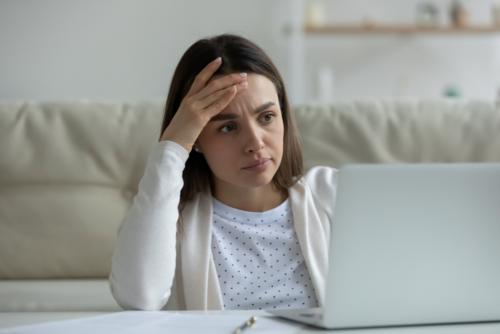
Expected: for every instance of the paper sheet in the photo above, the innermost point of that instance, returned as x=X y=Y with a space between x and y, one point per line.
x=151 y=322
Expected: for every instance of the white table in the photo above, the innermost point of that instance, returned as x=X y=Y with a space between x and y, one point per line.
x=11 y=319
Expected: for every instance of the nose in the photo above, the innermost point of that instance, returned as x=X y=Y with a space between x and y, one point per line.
x=253 y=139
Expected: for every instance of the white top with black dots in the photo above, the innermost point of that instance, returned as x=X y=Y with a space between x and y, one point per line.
x=258 y=259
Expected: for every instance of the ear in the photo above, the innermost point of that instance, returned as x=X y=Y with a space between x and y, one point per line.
x=196 y=147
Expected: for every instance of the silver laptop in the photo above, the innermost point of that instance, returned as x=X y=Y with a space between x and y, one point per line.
x=412 y=244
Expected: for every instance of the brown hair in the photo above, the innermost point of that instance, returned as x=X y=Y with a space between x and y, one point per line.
x=238 y=55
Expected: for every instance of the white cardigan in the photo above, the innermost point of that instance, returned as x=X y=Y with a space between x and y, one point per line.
x=154 y=269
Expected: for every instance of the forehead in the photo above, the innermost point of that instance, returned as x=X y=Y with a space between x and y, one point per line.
x=260 y=90
x=260 y=95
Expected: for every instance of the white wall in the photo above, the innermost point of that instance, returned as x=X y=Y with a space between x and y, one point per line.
x=122 y=49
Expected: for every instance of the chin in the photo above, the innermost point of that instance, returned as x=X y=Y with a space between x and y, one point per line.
x=259 y=180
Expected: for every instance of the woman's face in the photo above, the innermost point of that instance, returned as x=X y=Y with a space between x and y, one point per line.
x=229 y=145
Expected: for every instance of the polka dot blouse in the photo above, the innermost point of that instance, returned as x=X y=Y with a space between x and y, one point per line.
x=258 y=259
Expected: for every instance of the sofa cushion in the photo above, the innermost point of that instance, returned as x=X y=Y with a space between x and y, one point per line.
x=69 y=172
x=91 y=295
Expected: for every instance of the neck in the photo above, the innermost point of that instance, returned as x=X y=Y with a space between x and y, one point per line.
x=260 y=199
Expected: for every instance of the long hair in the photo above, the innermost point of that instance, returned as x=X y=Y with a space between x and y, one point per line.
x=238 y=55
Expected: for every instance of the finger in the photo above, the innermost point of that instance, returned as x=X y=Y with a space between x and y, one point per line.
x=219 y=84
x=201 y=79
x=221 y=103
x=207 y=101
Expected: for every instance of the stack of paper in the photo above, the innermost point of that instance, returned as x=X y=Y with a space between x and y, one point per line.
x=140 y=322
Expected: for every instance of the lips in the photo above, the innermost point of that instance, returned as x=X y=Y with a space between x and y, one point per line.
x=258 y=162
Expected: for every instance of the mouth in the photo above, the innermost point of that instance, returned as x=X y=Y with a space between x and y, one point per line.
x=258 y=162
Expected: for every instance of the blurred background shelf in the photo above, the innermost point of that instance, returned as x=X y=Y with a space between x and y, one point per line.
x=398 y=29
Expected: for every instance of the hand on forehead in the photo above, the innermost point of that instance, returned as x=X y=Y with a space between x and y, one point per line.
x=259 y=88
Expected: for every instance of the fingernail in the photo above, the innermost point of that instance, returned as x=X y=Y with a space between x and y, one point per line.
x=218 y=60
x=244 y=83
x=242 y=75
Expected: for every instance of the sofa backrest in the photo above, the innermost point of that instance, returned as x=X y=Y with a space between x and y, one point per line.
x=69 y=170
x=399 y=131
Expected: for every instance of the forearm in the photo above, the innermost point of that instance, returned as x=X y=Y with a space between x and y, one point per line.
x=143 y=263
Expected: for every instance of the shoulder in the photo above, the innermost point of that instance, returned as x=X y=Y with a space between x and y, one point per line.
x=321 y=177
x=322 y=181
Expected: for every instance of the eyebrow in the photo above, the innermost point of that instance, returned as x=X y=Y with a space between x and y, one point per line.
x=224 y=117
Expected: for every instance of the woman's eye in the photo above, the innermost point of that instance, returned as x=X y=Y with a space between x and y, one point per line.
x=226 y=127
x=269 y=115
x=268 y=120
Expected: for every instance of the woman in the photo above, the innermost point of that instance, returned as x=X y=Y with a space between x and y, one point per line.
x=206 y=231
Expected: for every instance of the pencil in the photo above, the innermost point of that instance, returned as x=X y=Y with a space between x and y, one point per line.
x=249 y=323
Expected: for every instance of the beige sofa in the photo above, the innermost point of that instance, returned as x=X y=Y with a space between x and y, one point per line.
x=69 y=171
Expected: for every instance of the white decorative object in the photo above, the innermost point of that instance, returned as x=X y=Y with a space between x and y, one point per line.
x=427 y=14
x=325 y=84
x=402 y=85
x=315 y=14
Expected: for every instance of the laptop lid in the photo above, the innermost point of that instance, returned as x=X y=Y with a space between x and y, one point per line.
x=414 y=244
